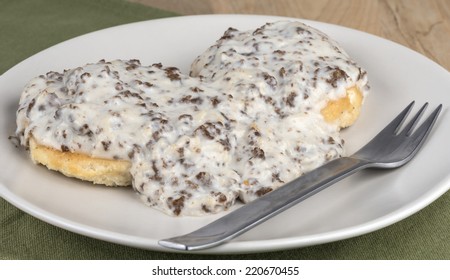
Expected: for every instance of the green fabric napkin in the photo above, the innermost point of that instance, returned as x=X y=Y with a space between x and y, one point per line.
x=29 y=26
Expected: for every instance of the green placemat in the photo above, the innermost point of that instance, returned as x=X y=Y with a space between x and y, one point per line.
x=29 y=26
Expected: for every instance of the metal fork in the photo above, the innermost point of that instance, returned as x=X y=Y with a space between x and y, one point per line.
x=388 y=149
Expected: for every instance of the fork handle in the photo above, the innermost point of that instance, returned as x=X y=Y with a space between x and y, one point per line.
x=265 y=207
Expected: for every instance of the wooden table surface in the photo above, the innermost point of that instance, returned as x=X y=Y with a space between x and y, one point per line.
x=422 y=25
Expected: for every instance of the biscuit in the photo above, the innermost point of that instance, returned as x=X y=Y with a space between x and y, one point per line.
x=96 y=170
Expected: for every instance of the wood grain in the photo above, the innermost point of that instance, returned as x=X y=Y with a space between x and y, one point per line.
x=422 y=25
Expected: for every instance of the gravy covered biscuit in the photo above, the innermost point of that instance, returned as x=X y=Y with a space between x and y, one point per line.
x=290 y=65
x=260 y=108
x=296 y=86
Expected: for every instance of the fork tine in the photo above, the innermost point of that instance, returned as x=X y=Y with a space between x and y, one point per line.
x=395 y=124
x=420 y=134
x=412 y=124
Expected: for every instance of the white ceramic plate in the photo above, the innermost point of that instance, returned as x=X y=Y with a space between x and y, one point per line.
x=365 y=202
